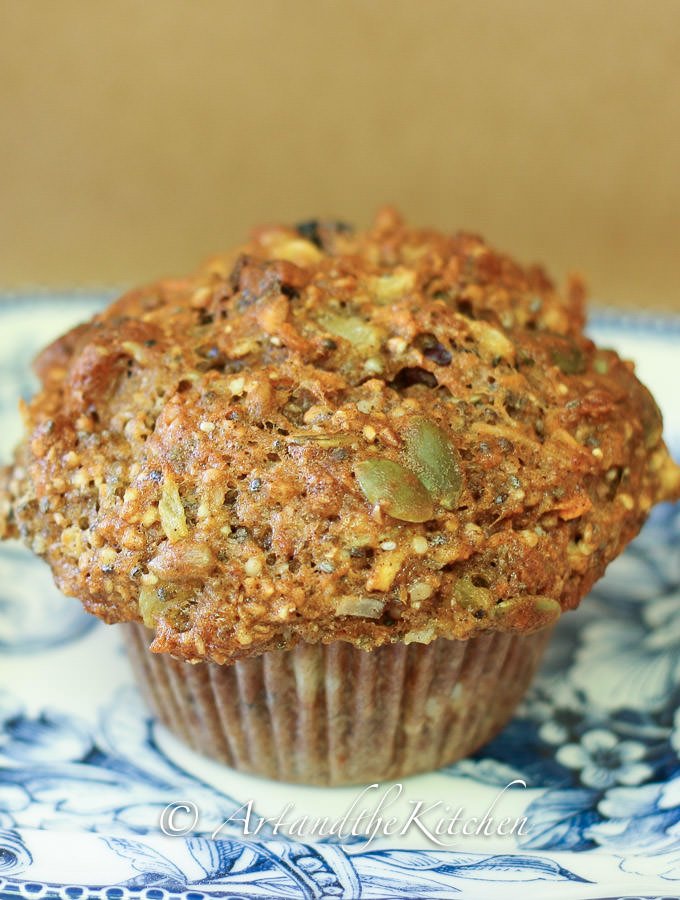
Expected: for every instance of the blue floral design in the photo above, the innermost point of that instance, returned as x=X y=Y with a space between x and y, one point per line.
x=603 y=760
x=54 y=769
x=14 y=855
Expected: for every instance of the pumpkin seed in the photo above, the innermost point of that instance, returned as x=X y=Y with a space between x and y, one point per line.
x=435 y=461
x=569 y=359
x=396 y=489
x=549 y=609
x=652 y=423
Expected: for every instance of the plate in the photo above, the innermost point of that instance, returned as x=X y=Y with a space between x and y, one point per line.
x=578 y=798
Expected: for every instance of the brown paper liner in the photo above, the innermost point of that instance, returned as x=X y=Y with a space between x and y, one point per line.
x=331 y=714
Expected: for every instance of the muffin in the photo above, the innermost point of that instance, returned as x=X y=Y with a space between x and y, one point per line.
x=342 y=485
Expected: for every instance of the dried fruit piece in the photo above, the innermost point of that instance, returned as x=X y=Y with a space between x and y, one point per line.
x=435 y=461
x=396 y=489
x=433 y=350
x=313 y=230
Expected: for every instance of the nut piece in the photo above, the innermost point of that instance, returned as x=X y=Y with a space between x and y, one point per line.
x=364 y=336
x=150 y=605
x=182 y=561
x=420 y=635
x=385 y=570
x=468 y=596
x=368 y=607
x=395 y=489
x=171 y=511
x=321 y=439
x=435 y=460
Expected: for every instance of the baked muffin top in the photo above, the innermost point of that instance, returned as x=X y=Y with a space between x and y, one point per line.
x=382 y=436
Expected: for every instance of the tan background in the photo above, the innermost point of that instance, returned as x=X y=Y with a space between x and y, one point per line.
x=137 y=136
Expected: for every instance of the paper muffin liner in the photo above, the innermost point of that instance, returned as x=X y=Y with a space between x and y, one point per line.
x=331 y=714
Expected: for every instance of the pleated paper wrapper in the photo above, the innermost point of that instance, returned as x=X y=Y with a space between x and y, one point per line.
x=332 y=714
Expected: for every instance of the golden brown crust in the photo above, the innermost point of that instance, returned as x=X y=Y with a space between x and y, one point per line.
x=386 y=436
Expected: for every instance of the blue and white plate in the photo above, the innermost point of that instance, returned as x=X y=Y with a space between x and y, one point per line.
x=578 y=798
